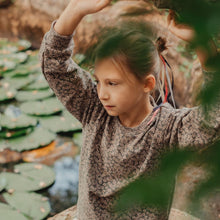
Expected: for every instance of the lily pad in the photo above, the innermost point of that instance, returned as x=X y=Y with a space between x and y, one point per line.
x=12 y=47
x=22 y=121
x=34 y=66
x=40 y=83
x=16 y=182
x=28 y=177
x=17 y=82
x=15 y=57
x=46 y=107
x=21 y=70
x=3 y=184
x=4 y=206
x=63 y=123
x=34 y=95
x=78 y=139
x=23 y=45
x=8 y=213
x=42 y=173
x=7 y=47
x=6 y=66
x=5 y=133
x=31 y=205
x=38 y=138
x=7 y=94
x=33 y=57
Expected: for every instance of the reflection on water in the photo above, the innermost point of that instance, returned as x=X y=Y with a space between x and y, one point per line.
x=64 y=193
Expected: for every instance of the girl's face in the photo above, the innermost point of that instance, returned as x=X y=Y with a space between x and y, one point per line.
x=121 y=94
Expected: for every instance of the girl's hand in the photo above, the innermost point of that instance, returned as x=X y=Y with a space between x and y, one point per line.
x=89 y=6
x=75 y=11
x=182 y=31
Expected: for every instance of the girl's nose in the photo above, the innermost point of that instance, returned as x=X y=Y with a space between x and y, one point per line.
x=102 y=93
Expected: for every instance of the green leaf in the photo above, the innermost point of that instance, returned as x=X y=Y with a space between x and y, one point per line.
x=39 y=83
x=209 y=157
x=22 y=121
x=7 y=213
x=64 y=123
x=28 y=177
x=31 y=205
x=7 y=94
x=78 y=139
x=23 y=45
x=16 y=182
x=15 y=57
x=20 y=70
x=7 y=47
x=5 y=133
x=3 y=183
x=4 y=206
x=34 y=95
x=44 y=174
x=46 y=107
x=17 y=82
x=6 y=66
x=38 y=138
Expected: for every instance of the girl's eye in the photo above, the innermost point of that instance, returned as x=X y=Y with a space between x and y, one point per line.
x=112 y=83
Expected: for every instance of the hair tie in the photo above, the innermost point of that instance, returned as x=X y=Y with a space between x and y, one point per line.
x=167 y=81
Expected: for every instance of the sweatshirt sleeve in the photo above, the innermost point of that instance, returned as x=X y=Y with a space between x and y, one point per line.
x=72 y=85
x=192 y=128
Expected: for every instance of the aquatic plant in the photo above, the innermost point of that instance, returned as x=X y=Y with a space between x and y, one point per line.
x=18 y=191
x=38 y=138
x=46 y=107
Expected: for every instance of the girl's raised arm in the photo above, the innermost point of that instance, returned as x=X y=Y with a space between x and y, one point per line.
x=75 y=11
x=72 y=85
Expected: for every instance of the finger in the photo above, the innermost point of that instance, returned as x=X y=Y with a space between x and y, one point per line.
x=102 y=4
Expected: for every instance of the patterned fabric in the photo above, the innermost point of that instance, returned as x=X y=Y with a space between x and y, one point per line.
x=113 y=155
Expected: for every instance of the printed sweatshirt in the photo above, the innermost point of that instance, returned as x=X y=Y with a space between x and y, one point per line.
x=113 y=155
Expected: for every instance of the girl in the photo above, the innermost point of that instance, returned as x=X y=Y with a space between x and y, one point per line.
x=124 y=134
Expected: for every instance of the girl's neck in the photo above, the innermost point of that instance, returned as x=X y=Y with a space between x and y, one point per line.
x=137 y=116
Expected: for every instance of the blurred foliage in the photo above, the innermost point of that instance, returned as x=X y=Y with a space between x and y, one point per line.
x=155 y=189
x=209 y=157
x=204 y=17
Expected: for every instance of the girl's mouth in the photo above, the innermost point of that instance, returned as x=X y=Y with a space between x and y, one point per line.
x=109 y=106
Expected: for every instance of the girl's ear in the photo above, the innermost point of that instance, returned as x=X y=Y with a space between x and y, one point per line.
x=149 y=83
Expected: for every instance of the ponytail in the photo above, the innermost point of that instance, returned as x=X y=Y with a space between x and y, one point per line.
x=161 y=44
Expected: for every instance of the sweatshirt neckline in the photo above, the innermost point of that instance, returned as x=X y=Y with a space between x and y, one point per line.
x=143 y=125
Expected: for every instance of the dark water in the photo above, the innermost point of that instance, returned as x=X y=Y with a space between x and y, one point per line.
x=64 y=193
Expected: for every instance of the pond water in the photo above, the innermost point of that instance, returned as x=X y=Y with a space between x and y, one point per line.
x=64 y=193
